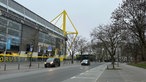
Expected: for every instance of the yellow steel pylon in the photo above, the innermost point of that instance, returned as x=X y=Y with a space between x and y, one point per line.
x=65 y=16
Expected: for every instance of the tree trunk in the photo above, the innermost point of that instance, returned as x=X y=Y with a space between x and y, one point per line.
x=143 y=50
x=127 y=59
x=81 y=58
x=113 y=62
x=143 y=54
x=135 y=58
x=72 y=57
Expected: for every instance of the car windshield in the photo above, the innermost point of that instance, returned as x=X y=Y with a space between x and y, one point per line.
x=50 y=59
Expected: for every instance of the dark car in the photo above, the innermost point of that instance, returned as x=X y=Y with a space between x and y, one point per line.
x=52 y=62
x=85 y=62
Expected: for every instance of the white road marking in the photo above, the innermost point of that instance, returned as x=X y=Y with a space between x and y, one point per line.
x=85 y=77
x=51 y=70
x=73 y=77
x=87 y=71
x=81 y=73
x=92 y=74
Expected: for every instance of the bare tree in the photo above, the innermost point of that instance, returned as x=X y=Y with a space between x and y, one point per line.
x=132 y=13
x=109 y=35
x=97 y=49
x=77 y=46
x=82 y=45
x=73 y=49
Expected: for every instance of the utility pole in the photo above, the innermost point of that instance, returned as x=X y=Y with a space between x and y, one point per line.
x=31 y=51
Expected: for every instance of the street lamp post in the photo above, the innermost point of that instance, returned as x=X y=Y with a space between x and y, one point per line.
x=6 y=46
x=31 y=50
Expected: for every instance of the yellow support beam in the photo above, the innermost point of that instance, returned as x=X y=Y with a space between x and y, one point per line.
x=57 y=16
x=72 y=25
x=71 y=33
x=64 y=22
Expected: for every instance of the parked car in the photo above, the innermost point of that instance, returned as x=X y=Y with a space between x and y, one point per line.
x=85 y=62
x=52 y=62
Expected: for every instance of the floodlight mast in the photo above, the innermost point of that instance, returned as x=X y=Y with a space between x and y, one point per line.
x=64 y=22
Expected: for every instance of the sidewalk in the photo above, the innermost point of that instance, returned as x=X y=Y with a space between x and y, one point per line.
x=89 y=76
x=126 y=73
x=23 y=67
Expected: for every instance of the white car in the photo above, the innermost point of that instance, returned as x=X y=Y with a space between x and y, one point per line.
x=85 y=62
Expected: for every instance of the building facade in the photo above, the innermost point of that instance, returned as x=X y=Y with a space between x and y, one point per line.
x=21 y=30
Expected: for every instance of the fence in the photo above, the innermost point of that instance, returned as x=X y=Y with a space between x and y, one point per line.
x=9 y=62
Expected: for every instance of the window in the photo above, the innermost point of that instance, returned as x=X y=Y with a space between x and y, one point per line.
x=13 y=33
x=40 y=40
x=2 y=30
x=3 y=21
x=15 y=6
x=14 y=25
x=2 y=46
x=41 y=35
x=46 y=41
x=14 y=48
x=2 y=38
x=3 y=1
x=15 y=41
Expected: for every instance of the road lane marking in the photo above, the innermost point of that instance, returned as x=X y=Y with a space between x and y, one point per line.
x=51 y=70
x=73 y=77
x=87 y=71
x=85 y=77
x=81 y=73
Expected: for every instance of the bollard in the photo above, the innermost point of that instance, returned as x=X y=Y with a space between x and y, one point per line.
x=107 y=67
x=18 y=66
x=29 y=66
x=5 y=67
x=38 y=65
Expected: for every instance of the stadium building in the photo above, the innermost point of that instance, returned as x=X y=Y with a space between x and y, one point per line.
x=21 y=30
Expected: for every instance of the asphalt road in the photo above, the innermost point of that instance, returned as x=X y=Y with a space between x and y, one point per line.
x=48 y=75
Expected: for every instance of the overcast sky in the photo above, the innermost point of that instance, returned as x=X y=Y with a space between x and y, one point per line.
x=85 y=14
